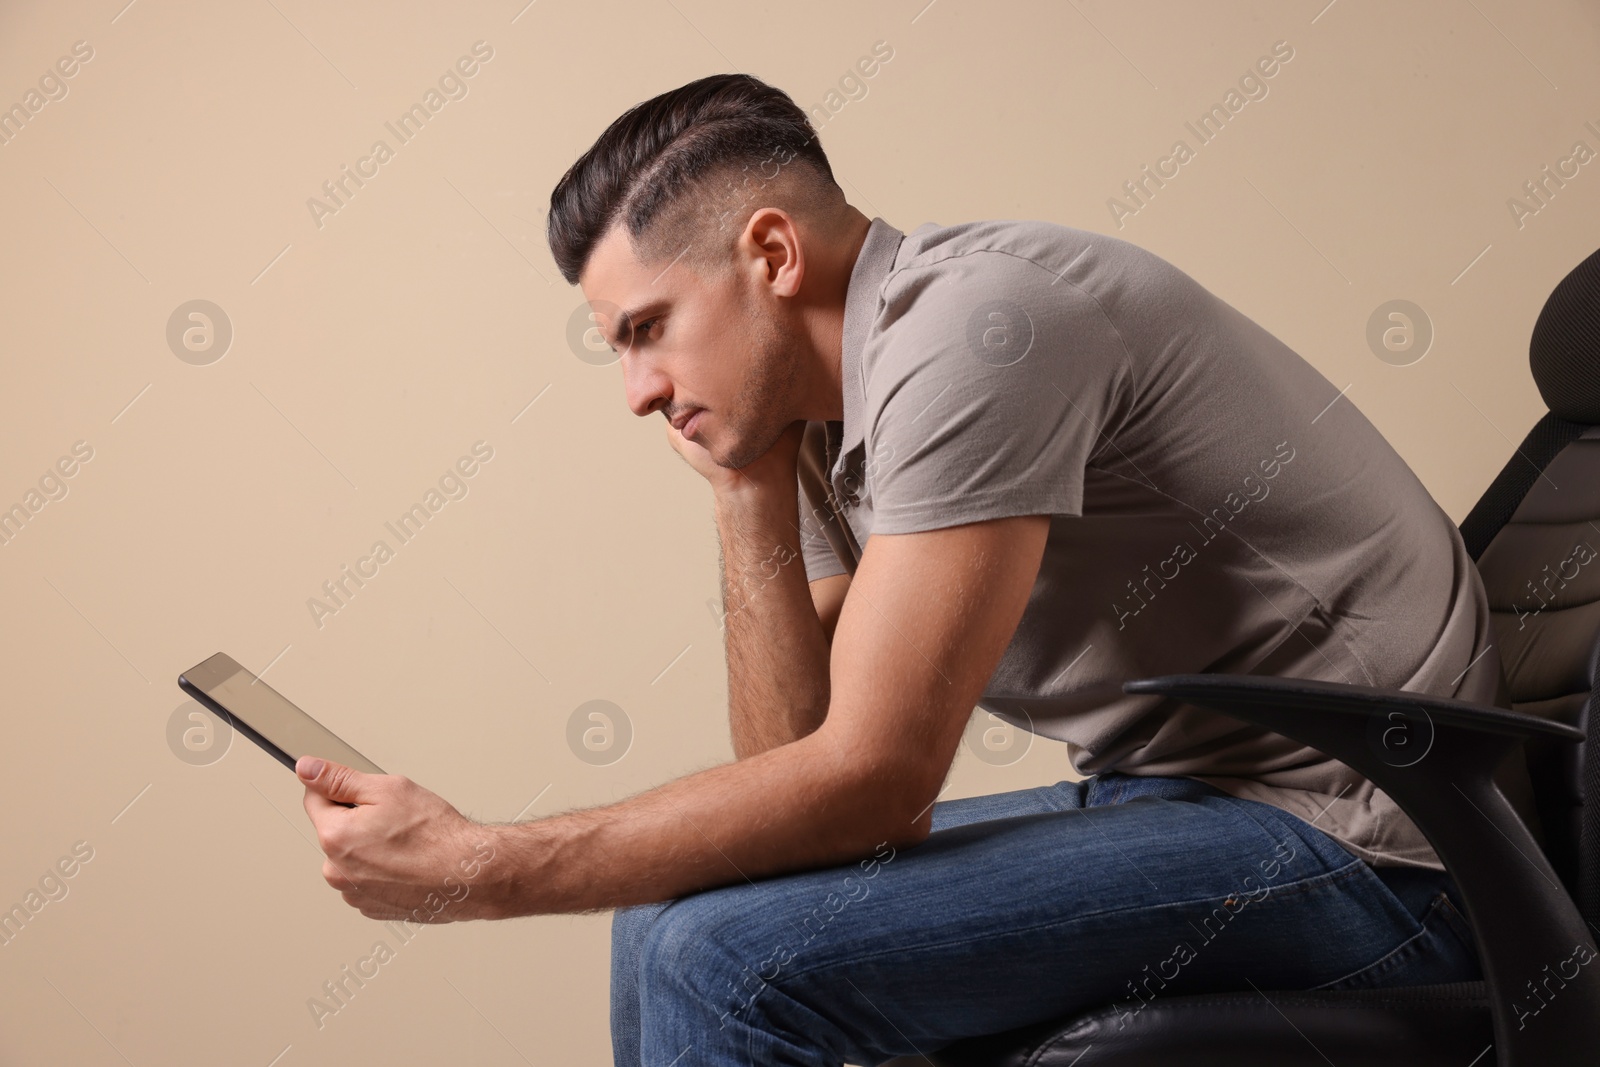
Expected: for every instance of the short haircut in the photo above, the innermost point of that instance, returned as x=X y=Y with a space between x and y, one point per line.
x=684 y=170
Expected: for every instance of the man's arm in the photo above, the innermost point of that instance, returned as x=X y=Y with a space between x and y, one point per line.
x=776 y=645
x=928 y=618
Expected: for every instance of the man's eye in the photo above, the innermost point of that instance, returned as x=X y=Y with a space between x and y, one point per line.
x=638 y=333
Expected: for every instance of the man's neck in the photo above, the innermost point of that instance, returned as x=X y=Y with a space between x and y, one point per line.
x=829 y=331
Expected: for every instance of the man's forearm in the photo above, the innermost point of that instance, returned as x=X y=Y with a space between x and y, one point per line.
x=777 y=651
x=799 y=806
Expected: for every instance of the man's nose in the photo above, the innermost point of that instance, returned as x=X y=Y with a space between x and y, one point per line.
x=645 y=387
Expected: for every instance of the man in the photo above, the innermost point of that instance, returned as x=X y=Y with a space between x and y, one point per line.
x=1007 y=462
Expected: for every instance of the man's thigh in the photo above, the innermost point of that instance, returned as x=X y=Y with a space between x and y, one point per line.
x=631 y=925
x=1011 y=911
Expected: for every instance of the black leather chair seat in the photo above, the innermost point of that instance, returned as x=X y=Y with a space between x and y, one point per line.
x=1413 y=1026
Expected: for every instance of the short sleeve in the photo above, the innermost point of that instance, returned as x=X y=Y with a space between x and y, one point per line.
x=986 y=388
x=820 y=559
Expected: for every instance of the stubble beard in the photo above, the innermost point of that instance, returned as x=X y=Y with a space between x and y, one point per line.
x=758 y=416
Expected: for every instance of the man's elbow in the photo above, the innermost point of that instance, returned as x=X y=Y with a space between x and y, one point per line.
x=895 y=801
x=919 y=826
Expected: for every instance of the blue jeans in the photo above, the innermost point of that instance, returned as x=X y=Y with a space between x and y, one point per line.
x=1019 y=907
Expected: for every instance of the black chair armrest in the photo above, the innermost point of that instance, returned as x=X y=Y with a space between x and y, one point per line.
x=1362 y=700
x=1437 y=757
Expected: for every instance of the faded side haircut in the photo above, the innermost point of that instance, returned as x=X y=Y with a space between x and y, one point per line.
x=683 y=172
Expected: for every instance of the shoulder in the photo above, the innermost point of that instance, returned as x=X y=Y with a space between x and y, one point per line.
x=1057 y=251
x=996 y=289
x=944 y=276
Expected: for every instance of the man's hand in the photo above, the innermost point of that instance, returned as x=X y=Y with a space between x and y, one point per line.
x=774 y=468
x=403 y=852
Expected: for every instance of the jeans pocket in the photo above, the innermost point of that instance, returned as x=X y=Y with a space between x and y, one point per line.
x=1442 y=949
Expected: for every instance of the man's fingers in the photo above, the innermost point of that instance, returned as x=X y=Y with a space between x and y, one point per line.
x=373 y=908
x=336 y=781
x=335 y=877
x=316 y=803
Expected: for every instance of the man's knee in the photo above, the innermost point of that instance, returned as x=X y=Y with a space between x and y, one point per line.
x=705 y=947
x=676 y=933
x=629 y=926
x=726 y=963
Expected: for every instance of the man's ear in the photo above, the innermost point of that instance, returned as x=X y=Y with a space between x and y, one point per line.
x=773 y=239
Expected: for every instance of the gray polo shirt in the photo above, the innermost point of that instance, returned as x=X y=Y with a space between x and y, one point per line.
x=1216 y=505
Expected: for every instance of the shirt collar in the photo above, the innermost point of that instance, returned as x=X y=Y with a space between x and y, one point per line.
x=872 y=266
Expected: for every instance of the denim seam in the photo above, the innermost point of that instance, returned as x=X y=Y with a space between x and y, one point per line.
x=1053 y=796
x=1454 y=922
x=1449 y=919
x=1458 y=923
x=1119 y=789
x=1379 y=962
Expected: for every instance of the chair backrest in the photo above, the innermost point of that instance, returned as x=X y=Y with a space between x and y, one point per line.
x=1536 y=537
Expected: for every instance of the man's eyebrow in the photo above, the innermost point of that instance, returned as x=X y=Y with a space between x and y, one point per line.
x=626 y=319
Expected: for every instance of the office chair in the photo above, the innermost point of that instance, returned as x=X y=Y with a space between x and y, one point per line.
x=1534 y=911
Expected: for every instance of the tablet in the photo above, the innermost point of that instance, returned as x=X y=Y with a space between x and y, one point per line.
x=265 y=716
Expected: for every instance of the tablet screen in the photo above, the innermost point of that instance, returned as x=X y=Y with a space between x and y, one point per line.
x=261 y=708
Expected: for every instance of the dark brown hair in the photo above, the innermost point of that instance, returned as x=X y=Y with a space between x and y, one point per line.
x=654 y=166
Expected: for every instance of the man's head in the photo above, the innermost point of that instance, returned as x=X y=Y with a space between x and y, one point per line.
x=713 y=245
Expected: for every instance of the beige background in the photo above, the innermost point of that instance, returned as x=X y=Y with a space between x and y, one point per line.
x=369 y=353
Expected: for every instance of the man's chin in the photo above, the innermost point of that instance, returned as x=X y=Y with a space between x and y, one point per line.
x=738 y=462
